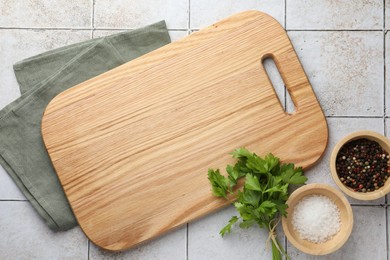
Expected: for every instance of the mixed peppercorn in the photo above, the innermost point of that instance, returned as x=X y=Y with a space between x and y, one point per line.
x=363 y=165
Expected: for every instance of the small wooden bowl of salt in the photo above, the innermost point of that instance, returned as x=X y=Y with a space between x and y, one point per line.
x=319 y=219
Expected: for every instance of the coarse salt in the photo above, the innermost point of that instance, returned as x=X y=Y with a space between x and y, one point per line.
x=316 y=218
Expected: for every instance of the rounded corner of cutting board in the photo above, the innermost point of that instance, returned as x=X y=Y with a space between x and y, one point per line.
x=260 y=14
x=323 y=142
x=249 y=16
x=109 y=242
x=113 y=248
x=49 y=109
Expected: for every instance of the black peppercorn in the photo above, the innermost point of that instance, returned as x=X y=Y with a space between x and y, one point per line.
x=363 y=165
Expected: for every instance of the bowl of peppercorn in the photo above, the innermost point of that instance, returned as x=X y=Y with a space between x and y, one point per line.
x=360 y=164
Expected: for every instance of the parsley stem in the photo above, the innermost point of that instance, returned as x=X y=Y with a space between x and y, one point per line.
x=277 y=248
x=275 y=252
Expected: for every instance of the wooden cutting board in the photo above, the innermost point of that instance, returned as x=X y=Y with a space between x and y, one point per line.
x=132 y=146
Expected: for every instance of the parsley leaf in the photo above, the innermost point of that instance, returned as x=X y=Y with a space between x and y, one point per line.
x=252 y=183
x=220 y=184
x=292 y=175
x=228 y=227
x=234 y=174
x=262 y=200
x=241 y=153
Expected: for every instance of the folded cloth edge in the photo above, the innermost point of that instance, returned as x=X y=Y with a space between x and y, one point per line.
x=5 y=157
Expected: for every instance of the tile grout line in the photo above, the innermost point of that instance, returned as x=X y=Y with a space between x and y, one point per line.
x=186 y=256
x=122 y=29
x=349 y=116
x=384 y=118
x=384 y=70
x=380 y=205
x=92 y=18
x=285 y=246
x=79 y=29
x=89 y=246
x=285 y=100
x=384 y=85
x=45 y=28
x=177 y=29
x=384 y=14
x=92 y=34
x=285 y=27
x=387 y=236
x=324 y=30
x=285 y=97
x=189 y=17
x=285 y=14
x=10 y=200
x=188 y=33
x=334 y=30
x=93 y=15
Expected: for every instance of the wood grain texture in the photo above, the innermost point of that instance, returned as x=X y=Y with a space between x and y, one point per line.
x=132 y=146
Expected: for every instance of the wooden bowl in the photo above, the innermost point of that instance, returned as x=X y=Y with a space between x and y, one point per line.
x=371 y=195
x=346 y=218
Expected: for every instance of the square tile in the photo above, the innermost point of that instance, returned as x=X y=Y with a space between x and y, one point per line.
x=25 y=236
x=319 y=14
x=338 y=128
x=171 y=246
x=134 y=14
x=206 y=12
x=46 y=13
x=205 y=242
x=367 y=240
x=175 y=35
x=16 y=45
x=345 y=70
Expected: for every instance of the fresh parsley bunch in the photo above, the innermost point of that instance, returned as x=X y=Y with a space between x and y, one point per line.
x=262 y=201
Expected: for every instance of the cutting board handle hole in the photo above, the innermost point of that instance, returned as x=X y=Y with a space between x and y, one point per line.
x=278 y=84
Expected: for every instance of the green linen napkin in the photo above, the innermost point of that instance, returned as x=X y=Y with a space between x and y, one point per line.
x=41 y=78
